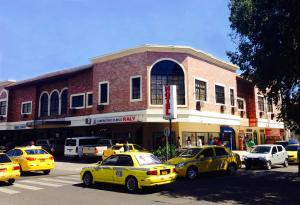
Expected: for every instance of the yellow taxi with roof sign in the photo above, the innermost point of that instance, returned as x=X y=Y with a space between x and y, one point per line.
x=119 y=148
x=292 y=153
x=132 y=169
x=202 y=159
x=32 y=158
x=9 y=171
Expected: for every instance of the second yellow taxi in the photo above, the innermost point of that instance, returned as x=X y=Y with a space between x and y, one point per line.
x=205 y=159
x=132 y=169
x=32 y=158
x=292 y=153
x=9 y=171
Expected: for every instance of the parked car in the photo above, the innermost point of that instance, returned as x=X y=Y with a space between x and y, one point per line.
x=32 y=158
x=132 y=169
x=96 y=150
x=74 y=146
x=266 y=156
x=202 y=159
x=9 y=171
x=119 y=148
x=292 y=153
x=55 y=147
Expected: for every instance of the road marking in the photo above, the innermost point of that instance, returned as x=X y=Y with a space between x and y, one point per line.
x=23 y=186
x=41 y=183
x=8 y=191
x=59 y=180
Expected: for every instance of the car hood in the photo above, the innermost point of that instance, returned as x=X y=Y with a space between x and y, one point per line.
x=177 y=160
x=256 y=155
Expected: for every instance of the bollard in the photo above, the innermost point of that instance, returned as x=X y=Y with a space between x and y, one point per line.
x=298 y=158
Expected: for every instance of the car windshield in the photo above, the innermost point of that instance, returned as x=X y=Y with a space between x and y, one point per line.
x=261 y=149
x=70 y=142
x=190 y=153
x=116 y=147
x=4 y=158
x=35 y=151
x=147 y=159
x=291 y=148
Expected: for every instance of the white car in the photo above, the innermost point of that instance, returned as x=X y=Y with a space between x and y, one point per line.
x=266 y=156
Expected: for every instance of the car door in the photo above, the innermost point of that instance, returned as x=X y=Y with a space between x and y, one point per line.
x=274 y=157
x=281 y=154
x=205 y=159
x=104 y=172
x=122 y=168
x=220 y=160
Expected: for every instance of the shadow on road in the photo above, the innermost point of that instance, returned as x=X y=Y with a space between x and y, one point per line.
x=76 y=160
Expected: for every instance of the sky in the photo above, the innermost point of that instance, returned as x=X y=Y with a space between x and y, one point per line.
x=42 y=36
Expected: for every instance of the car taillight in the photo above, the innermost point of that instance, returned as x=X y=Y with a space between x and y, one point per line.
x=2 y=169
x=174 y=170
x=51 y=158
x=16 y=168
x=152 y=172
x=30 y=158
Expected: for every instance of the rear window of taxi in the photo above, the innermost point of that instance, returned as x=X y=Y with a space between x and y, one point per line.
x=35 y=151
x=4 y=158
x=147 y=159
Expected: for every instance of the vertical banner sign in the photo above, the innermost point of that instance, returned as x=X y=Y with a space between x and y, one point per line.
x=169 y=102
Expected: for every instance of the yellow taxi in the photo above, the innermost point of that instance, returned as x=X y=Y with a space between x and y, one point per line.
x=132 y=169
x=292 y=153
x=32 y=158
x=202 y=159
x=9 y=171
x=119 y=148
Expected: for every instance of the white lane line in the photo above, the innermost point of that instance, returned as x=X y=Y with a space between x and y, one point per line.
x=41 y=183
x=23 y=186
x=69 y=178
x=59 y=181
x=8 y=191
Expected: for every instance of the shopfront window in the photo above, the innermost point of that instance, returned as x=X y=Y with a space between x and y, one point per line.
x=159 y=140
x=207 y=138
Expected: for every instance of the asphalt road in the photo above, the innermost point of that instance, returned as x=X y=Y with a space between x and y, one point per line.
x=63 y=187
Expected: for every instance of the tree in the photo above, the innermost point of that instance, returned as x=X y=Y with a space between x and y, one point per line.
x=268 y=53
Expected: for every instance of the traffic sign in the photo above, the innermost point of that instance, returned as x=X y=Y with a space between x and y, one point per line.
x=167 y=131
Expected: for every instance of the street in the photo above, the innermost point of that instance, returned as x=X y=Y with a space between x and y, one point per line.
x=63 y=186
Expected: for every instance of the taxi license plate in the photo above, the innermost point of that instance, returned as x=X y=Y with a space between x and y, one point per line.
x=164 y=173
x=42 y=160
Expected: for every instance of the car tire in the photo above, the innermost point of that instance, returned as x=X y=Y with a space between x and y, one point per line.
x=131 y=184
x=11 y=181
x=192 y=173
x=231 y=169
x=269 y=165
x=286 y=163
x=46 y=172
x=87 y=179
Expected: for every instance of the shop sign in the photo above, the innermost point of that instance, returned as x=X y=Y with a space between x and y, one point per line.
x=118 y=119
x=272 y=132
x=169 y=102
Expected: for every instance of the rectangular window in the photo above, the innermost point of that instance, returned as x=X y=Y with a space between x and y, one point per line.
x=270 y=106
x=260 y=101
x=240 y=104
x=200 y=90
x=135 y=88
x=89 y=100
x=103 y=93
x=77 y=101
x=3 y=105
x=220 y=94
x=26 y=108
x=232 y=100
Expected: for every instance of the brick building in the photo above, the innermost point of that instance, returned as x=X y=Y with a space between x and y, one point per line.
x=120 y=96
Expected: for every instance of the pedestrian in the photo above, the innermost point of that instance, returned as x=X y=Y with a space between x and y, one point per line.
x=210 y=141
x=178 y=145
x=199 y=141
x=126 y=146
x=189 y=142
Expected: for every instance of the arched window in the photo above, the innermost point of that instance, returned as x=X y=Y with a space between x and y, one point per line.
x=44 y=105
x=166 y=72
x=64 y=102
x=54 y=103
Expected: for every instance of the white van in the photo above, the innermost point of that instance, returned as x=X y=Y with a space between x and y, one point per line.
x=74 y=145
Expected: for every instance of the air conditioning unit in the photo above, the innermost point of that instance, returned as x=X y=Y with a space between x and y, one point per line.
x=261 y=114
x=242 y=113
x=272 y=116
x=199 y=105
x=100 y=107
x=233 y=110
x=88 y=121
x=223 y=108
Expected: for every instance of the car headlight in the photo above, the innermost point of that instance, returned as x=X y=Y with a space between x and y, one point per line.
x=179 y=165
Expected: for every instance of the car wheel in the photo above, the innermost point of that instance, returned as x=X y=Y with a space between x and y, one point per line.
x=131 y=184
x=87 y=179
x=231 y=169
x=269 y=165
x=11 y=181
x=46 y=172
x=286 y=163
x=192 y=173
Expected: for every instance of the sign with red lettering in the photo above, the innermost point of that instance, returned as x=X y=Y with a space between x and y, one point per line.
x=169 y=102
x=118 y=119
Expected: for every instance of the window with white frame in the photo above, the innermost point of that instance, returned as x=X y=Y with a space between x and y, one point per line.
x=64 y=102
x=232 y=98
x=77 y=101
x=220 y=94
x=135 y=88
x=261 y=103
x=103 y=93
x=3 y=107
x=241 y=104
x=270 y=106
x=26 y=108
x=89 y=99
x=200 y=90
